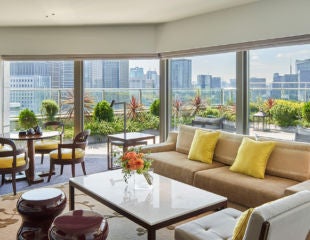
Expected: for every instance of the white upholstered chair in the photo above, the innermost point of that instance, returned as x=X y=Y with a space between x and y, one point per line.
x=285 y=218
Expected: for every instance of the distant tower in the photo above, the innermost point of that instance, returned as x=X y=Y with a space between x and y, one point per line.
x=136 y=78
x=181 y=73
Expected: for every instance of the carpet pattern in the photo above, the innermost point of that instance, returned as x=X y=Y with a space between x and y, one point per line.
x=120 y=227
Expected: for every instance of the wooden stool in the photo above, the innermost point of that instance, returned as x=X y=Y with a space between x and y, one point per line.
x=79 y=224
x=38 y=208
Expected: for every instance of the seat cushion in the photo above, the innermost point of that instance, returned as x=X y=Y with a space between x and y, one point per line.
x=66 y=154
x=218 y=225
x=177 y=166
x=47 y=144
x=6 y=162
x=240 y=188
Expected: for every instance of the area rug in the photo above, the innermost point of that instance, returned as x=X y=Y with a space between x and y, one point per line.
x=120 y=227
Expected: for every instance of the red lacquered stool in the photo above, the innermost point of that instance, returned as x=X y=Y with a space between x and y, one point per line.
x=38 y=208
x=79 y=224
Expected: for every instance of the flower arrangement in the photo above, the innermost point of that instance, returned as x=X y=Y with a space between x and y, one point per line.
x=135 y=161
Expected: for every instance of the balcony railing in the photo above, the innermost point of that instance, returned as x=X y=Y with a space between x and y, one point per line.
x=32 y=98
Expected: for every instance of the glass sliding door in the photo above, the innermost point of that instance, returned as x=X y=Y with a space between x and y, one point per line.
x=280 y=91
x=31 y=82
x=203 y=90
x=134 y=83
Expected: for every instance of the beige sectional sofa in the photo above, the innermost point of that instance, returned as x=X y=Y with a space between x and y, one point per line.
x=288 y=165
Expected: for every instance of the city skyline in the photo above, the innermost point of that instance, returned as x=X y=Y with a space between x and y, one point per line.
x=264 y=63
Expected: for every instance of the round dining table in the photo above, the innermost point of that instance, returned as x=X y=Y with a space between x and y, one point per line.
x=30 y=139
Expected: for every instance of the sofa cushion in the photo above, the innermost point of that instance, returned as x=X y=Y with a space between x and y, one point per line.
x=176 y=165
x=202 y=147
x=252 y=157
x=185 y=137
x=227 y=147
x=289 y=160
x=240 y=188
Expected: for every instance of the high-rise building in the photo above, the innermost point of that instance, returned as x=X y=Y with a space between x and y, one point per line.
x=204 y=81
x=285 y=86
x=115 y=73
x=136 y=78
x=258 y=88
x=93 y=73
x=181 y=73
x=216 y=82
x=152 y=79
x=303 y=71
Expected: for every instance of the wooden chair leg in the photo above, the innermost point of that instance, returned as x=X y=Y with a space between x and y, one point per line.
x=42 y=158
x=14 y=182
x=83 y=167
x=73 y=169
x=52 y=166
x=61 y=169
x=2 y=179
x=27 y=177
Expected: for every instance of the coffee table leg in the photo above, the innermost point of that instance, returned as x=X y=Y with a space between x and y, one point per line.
x=151 y=234
x=71 y=197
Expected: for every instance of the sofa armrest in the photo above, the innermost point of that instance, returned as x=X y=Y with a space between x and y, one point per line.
x=305 y=185
x=168 y=145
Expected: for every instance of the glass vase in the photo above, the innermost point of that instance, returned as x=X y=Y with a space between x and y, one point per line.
x=143 y=181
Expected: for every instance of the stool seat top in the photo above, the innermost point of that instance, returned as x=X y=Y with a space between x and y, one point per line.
x=79 y=221
x=42 y=195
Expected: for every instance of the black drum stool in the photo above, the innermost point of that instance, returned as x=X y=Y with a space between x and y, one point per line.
x=79 y=224
x=38 y=208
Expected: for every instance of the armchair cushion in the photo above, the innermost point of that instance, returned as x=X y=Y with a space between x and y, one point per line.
x=46 y=144
x=6 y=162
x=218 y=225
x=66 y=154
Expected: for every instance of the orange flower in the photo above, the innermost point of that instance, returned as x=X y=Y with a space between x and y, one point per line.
x=130 y=155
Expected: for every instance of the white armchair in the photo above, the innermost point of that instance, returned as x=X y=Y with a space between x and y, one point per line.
x=285 y=218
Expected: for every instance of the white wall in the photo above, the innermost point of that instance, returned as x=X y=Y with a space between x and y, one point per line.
x=266 y=19
x=78 y=40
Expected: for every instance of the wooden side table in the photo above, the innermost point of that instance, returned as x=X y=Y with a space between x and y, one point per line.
x=38 y=208
x=79 y=224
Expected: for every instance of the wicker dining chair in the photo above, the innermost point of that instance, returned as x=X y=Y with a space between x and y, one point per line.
x=70 y=154
x=12 y=161
x=45 y=146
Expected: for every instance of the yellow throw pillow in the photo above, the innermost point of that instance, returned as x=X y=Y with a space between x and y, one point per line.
x=252 y=157
x=203 y=145
x=241 y=224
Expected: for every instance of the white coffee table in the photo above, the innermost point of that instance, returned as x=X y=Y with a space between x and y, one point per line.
x=166 y=203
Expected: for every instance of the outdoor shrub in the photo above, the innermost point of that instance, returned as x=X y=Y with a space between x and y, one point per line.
x=100 y=127
x=27 y=119
x=285 y=113
x=154 y=108
x=49 y=109
x=210 y=112
x=103 y=112
x=254 y=107
x=306 y=111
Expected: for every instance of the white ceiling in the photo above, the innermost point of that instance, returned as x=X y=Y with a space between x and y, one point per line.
x=105 y=12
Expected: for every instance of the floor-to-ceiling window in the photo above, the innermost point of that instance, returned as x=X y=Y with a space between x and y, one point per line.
x=134 y=82
x=203 y=86
x=279 y=91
